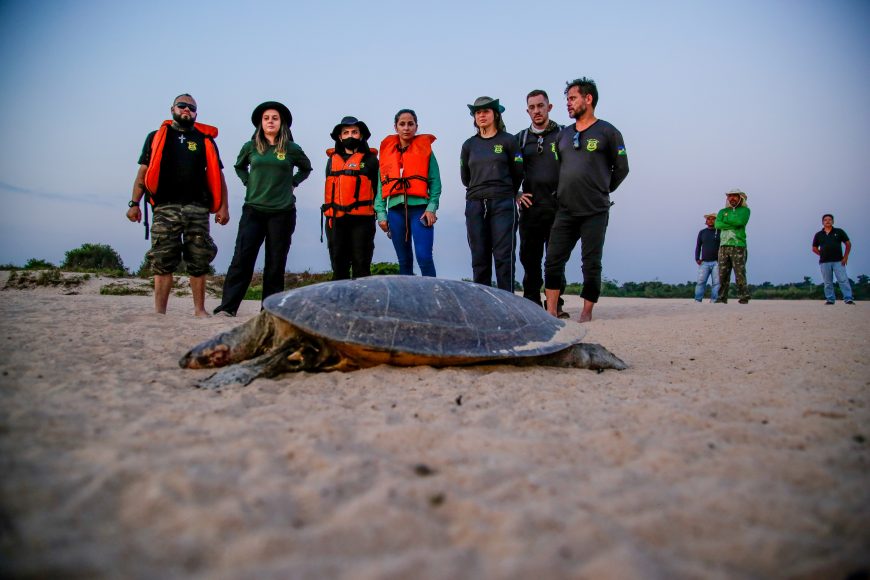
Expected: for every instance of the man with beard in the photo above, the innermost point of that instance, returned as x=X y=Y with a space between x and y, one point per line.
x=538 y=198
x=592 y=164
x=731 y=222
x=181 y=172
x=348 y=203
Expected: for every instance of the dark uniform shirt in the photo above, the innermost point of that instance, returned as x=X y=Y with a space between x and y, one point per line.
x=830 y=245
x=540 y=168
x=182 y=168
x=592 y=170
x=491 y=167
x=707 y=246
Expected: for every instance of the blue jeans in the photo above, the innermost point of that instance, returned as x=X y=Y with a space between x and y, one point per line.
x=707 y=270
x=829 y=270
x=403 y=233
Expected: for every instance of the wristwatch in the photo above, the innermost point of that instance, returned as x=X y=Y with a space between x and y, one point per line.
x=132 y=203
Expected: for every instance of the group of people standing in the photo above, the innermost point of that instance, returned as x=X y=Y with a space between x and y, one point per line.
x=551 y=184
x=721 y=247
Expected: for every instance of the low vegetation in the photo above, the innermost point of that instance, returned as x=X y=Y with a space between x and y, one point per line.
x=101 y=259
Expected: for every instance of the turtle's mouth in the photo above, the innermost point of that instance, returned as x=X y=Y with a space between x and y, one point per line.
x=206 y=356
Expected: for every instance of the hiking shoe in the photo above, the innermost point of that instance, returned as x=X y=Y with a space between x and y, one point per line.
x=721 y=301
x=563 y=315
x=829 y=302
x=225 y=313
x=743 y=301
x=852 y=302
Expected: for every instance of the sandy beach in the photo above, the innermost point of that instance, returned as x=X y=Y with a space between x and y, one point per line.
x=736 y=446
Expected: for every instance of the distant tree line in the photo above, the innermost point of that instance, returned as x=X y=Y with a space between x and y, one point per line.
x=102 y=259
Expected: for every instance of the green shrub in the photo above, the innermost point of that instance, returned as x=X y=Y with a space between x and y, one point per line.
x=93 y=258
x=38 y=264
x=115 y=289
x=384 y=268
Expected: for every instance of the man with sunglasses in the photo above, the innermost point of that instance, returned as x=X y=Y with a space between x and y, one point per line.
x=538 y=198
x=592 y=164
x=181 y=172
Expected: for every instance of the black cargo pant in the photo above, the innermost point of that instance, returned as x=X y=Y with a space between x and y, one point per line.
x=535 y=225
x=255 y=227
x=491 y=227
x=351 y=241
x=566 y=231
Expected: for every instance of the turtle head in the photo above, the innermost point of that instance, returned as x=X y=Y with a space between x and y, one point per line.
x=244 y=342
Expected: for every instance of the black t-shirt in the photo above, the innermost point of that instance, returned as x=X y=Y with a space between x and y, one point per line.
x=182 y=168
x=540 y=168
x=491 y=167
x=590 y=172
x=830 y=245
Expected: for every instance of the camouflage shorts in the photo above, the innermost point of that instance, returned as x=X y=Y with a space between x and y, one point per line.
x=181 y=231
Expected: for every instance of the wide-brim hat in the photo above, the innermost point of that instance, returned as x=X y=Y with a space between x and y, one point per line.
x=709 y=215
x=348 y=121
x=257 y=115
x=736 y=191
x=485 y=103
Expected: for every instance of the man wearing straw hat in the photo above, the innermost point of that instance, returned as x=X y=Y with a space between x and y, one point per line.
x=707 y=258
x=731 y=222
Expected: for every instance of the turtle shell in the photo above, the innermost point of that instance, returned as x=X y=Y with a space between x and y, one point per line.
x=422 y=320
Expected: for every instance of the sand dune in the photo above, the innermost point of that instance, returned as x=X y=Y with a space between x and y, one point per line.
x=734 y=446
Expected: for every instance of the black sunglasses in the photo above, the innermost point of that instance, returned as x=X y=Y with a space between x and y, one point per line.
x=577 y=140
x=540 y=144
x=186 y=106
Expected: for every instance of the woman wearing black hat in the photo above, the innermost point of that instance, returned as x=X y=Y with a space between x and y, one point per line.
x=265 y=165
x=491 y=167
x=348 y=200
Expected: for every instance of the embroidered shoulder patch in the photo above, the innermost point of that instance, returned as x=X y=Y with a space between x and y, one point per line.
x=621 y=150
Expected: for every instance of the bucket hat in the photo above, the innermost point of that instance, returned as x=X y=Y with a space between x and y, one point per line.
x=347 y=121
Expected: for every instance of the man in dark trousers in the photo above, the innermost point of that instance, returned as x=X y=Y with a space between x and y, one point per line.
x=707 y=258
x=828 y=246
x=348 y=205
x=538 y=198
x=592 y=164
x=181 y=170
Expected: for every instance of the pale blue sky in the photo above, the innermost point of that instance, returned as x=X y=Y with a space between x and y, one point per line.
x=767 y=96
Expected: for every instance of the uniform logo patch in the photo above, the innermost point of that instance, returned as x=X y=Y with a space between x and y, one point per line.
x=621 y=150
x=553 y=146
x=191 y=145
x=281 y=156
x=591 y=144
x=498 y=148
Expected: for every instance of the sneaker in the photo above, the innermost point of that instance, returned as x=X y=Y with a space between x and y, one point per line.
x=225 y=313
x=743 y=301
x=852 y=302
x=563 y=315
x=829 y=302
x=721 y=301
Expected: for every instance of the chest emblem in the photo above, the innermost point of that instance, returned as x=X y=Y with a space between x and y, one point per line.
x=591 y=144
x=498 y=148
x=281 y=156
x=191 y=145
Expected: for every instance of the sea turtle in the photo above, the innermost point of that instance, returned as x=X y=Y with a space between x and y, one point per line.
x=396 y=320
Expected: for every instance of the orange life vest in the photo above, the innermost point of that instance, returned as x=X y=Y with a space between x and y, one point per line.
x=212 y=163
x=348 y=191
x=405 y=172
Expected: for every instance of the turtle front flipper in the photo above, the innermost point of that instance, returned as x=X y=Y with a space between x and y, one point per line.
x=244 y=342
x=585 y=356
x=294 y=355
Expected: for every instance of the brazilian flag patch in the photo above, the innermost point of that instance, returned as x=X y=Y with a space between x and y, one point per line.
x=621 y=150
